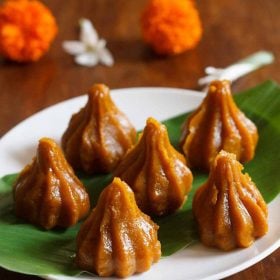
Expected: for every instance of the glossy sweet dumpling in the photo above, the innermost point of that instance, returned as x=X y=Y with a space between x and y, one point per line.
x=156 y=172
x=47 y=192
x=218 y=125
x=229 y=208
x=117 y=238
x=98 y=135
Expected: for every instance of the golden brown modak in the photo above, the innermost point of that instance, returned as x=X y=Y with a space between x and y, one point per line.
x=98 y=135
x=47 y=192
x=229 y=208
x=117 y=238
x=156 y=172
x=217 y=125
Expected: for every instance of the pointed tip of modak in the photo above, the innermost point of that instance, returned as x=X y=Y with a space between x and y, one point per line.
x=225 y=163
x=119 y=185
x=154 y=125
x=152 y=121
x=154 y=128
x=220 y=86
x=98 y=89
x=118 y=188
x=224 y=157
x=45 y=141
x=46 y=150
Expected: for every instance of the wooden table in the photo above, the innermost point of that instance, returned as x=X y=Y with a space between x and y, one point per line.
x=232 y=30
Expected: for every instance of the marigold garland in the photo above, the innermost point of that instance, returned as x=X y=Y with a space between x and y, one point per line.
x=171 y=26
x=27 y=29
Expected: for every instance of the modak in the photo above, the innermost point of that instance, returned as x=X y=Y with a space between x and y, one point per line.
x=156 y=172
x=117 y=238
x=217 y=125
x=229 y=208
x=98 y=135
x=47 y=192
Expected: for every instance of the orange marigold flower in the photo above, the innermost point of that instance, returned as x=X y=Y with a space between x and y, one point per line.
x=27 y=29
x=171 y=26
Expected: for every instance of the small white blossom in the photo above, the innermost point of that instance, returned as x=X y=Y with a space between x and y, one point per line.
x=90 y=49
x=238 y=69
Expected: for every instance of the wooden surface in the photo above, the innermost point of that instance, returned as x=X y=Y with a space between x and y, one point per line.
x=232 y=30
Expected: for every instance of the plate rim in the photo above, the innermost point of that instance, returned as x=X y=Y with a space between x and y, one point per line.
x=112 y=91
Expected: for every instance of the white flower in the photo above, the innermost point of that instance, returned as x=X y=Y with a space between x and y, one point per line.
x=238 y=69
x=90 y=50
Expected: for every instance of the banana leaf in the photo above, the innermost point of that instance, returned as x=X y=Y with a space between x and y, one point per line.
x=28 y=249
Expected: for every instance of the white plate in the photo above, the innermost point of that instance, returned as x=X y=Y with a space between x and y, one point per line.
x=18 y=146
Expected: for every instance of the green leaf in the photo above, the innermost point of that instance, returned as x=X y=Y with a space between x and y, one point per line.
x=28 y=249
x=6 y=195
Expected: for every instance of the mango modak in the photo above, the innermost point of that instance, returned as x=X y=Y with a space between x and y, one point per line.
x=47 y=192
x=156 y=172
x=117 y=238
x=229 y=209
x=98 y=135
x=217 y=125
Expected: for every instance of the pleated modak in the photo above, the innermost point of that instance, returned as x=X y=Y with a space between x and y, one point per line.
x=156 y=172
x=229 y=209
x=218 y=124
x=47 y=193
x=117 y=238
x=98 y=135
